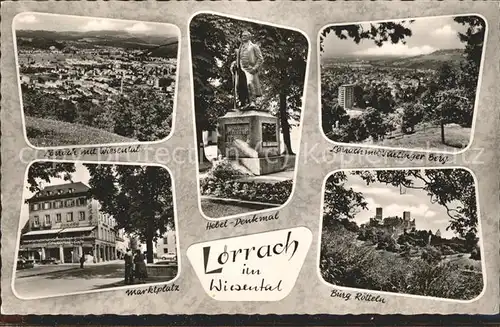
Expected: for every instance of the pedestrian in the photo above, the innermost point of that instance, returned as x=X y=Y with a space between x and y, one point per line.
x=129 y=267
x=140 y=266
x=82 y=261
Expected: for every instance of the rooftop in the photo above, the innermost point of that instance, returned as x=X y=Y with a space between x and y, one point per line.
x=62 y=189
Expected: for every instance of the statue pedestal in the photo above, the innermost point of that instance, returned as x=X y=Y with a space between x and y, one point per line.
x=252 y=139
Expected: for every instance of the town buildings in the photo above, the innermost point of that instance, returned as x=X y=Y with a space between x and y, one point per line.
x=166 y=247
x=346 y=96
x=66 y=223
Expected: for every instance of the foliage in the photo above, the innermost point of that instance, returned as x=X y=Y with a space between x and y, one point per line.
x=277 y=193
x=379 y=33
x=223 y=170
x=44 y=171
x=344 y=262
x=376 y=126
x=138 y=197
x=431 y=255
x=412 y=115
x=340 y=202
x=141 y=115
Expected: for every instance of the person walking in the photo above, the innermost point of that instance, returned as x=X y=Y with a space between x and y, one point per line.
x=129 y=267
x=140 y=266
x=82 y=261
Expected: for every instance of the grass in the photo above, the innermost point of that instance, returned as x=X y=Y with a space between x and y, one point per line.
x=346 y=262
x=456 y=138
x=48 y=132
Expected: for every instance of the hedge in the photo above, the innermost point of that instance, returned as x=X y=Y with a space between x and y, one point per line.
x=277 y=193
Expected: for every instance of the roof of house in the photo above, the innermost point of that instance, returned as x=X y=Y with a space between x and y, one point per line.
x=62 y=189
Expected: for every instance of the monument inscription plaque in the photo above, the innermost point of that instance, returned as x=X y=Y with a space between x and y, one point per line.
x=269 y=134
x=237 y=132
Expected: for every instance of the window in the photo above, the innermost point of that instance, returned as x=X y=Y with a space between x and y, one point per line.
x=69 y=216
x=81 y=201
x=58 y=204
x=70 y=190
x=102 y=233
x=46 y=205
x=49 y=193
x=82 y=215
x=36 y=220
x=69 y=203
x=165 y=250
x=58 y=218
x=47 y=219
x=36 y=206
x=165 y=240
x=59 y=191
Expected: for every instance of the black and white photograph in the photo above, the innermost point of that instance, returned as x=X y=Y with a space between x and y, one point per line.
x=404 y=84
x=93 y=81
x=248 y=88
x=89 y=227
x=408 y=231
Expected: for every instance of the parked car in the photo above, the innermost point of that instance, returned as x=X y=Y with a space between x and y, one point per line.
x=23 y=263
x=50 y=261
x=171 y=257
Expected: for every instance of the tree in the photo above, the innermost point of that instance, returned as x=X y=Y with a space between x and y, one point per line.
x=44 y=171
x=285 y=69
x=332 y=115
x=340 y=202
x=138 y=197
x=145 y=116
x=375 y=124
x=379 y=33
x=412 y=115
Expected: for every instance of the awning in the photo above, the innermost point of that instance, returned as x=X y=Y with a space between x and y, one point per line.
x=78 y=229
x=42 y=232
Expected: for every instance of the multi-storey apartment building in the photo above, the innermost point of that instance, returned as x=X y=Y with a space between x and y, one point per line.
x=346 y=96
x=66 y=223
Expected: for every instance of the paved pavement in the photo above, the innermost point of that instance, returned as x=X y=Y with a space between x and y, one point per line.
x=49 y=281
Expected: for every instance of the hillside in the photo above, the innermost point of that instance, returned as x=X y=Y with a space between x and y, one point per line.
x=45 y=39
x=427 y=61
x=430 y=61
x=47 y=132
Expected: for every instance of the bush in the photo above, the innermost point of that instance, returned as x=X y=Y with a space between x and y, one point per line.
x=476 y=254
x=224 y=170
x=431 y=255
x=277 y=193
x=345 y=262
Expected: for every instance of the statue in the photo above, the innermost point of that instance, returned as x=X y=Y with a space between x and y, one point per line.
x=245 y=72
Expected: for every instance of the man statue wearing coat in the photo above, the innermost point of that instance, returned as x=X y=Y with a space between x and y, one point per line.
x=245 y=71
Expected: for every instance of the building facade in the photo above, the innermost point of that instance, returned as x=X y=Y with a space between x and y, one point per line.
x=167 y=245
x=66 y=223
x=346 y=96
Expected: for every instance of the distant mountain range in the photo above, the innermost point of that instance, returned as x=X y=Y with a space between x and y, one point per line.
x=120 y=39
x=426 y=61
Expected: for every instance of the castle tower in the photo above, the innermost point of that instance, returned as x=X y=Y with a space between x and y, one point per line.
x=378 y=213
x=406 y=215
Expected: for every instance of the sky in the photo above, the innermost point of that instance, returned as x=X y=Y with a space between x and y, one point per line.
x=51 y=22
x=428 y=35
x=427 y=215
x=81 y=174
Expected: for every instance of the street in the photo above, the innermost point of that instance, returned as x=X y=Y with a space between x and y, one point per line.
x=43 y=281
